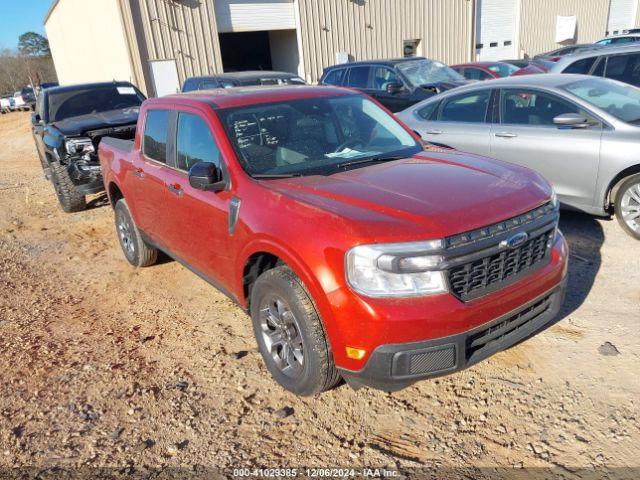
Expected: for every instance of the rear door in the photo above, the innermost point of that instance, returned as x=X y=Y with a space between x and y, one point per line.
x=462 y=122
x=566 y=157
x=146 y=181
x=198 y=220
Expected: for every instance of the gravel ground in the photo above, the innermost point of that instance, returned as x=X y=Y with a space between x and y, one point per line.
x=106 y=366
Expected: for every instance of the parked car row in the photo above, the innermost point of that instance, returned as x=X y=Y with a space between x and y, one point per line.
x=22 y=100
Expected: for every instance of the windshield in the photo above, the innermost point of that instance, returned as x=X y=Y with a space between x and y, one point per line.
x=503 y=69
x=427 y=72
x=619 y=100
x=314 y=135
x=67 y=104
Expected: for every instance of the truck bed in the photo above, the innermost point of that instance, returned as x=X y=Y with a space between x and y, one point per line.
x=124 y=146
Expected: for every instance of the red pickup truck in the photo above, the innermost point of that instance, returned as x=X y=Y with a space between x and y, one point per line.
x=358 y=254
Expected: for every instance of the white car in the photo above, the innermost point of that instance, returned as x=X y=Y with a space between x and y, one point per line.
x=619 y=39
x=6 y=105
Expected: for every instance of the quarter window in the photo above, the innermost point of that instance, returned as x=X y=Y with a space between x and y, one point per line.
x=426 y=112
x=470 y=107
x=520 y=107
x=195 y=142
x=156 y=127
x=359 y=77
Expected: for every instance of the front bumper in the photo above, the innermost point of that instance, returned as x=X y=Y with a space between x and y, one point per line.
x=394 y=367
x=85 y=181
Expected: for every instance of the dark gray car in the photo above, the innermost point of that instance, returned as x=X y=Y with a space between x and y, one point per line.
x=582 y=133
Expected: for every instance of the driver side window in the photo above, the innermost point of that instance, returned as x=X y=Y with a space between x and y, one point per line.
x=383 y=77
x=529 y=107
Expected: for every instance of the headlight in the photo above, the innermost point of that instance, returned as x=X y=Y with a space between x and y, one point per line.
x=79 y=146
x=396 y=269
x=554 y=199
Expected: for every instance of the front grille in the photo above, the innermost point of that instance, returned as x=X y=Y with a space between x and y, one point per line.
x=478 y=344
x=481 y=276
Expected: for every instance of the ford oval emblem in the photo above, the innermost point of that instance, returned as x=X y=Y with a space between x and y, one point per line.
x=515 y=241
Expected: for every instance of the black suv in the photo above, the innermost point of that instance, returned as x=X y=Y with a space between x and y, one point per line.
x=67 y=126
x=241 y=79
x=396 y=84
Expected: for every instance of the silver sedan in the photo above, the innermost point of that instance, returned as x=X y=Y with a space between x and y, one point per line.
x=581 y=133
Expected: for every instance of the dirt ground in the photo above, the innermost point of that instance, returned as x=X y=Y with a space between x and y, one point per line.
x=106 y=366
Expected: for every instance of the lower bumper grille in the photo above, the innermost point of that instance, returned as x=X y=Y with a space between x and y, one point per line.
x=474 y=279
x=480 y=342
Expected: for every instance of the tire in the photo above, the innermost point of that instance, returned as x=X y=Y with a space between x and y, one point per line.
x=285 y=320
x=627 y=206
x=138 y=252
x=70 y=199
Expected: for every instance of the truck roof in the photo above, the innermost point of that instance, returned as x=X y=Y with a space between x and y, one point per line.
x=221 y=98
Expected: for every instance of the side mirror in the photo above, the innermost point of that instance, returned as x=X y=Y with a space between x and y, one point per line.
x=35 y=119
x=572 y=120
x=206 y=176
x=394 y=88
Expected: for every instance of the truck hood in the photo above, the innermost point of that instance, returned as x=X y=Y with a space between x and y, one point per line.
x=431 y=194
x=75 y=126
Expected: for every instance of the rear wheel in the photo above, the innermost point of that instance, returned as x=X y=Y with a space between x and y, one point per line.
x=290 y=335
x=138 y=252
x=627 y=206
x=70 y=199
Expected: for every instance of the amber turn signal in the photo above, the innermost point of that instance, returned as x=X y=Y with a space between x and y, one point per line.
x=355 y=353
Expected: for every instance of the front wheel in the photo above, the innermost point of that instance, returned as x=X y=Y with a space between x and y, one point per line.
x=290 y=335
x=627 y=206
x=70 y=199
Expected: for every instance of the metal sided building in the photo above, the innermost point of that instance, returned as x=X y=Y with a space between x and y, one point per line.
x=157 y=44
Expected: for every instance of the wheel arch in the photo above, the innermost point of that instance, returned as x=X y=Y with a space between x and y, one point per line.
x=114 y=192
x=272 y=254
x=614 y=185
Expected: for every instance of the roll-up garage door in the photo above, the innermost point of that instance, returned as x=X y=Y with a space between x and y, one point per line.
x=622 y=15
x=254 y=15
x=496 y=29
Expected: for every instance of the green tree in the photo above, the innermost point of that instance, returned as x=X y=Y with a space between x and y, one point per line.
x=34 y=45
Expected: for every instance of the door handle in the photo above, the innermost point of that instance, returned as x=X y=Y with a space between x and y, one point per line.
x=506 y=135
x=138 y=172
x=176 y=190
x=434 y=132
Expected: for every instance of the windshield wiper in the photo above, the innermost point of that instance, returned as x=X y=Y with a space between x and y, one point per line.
x=272 y=176
x=379 y=158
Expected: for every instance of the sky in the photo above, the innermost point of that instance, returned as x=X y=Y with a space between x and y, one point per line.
x=20 y=16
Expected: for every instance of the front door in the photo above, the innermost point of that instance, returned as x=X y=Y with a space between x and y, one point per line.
x=462 y=122
x=566 y=157
x=395 y=101
x=198 y=220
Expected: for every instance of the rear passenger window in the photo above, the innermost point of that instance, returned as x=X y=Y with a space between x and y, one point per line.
x=156 y=126
x=359 y=77
x=581 y=66
x=471 y=108
x=335 y=77
x=195 y=142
